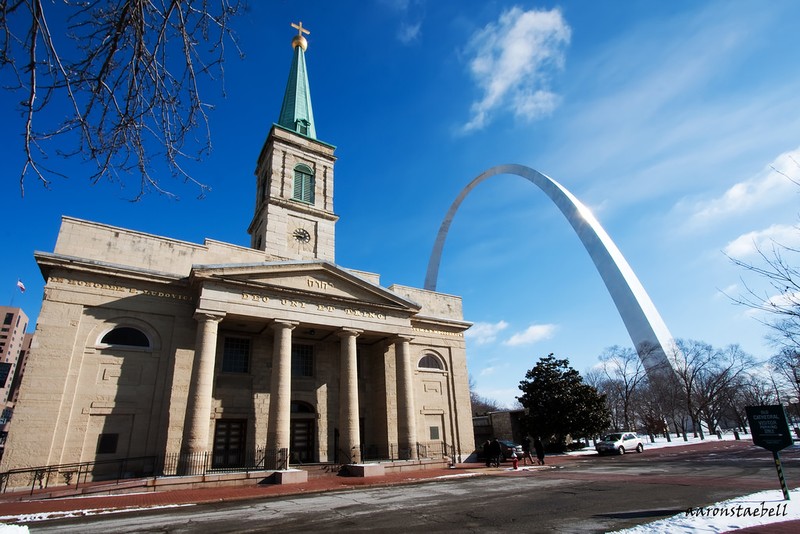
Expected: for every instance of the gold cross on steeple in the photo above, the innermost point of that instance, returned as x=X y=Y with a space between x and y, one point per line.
x=300 y=29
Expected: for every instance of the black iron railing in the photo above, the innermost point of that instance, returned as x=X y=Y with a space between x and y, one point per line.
x=76 y=473
x=178 y=464
x=434 y=450
x=199 y=463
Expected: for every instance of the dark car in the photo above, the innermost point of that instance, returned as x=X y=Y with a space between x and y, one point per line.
x=507 y=447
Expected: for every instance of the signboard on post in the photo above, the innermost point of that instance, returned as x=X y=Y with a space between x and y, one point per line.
x=769 y=426
x=770 y=429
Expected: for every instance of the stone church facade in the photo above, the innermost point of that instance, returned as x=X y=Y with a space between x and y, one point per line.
x=150 y=346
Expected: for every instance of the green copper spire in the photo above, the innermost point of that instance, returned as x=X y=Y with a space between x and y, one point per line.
x=296 y=112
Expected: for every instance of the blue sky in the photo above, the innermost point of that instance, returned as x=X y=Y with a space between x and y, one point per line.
x=665 y=118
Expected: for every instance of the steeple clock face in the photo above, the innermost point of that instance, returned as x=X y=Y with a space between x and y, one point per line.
x=302 y=236
x=302 y=239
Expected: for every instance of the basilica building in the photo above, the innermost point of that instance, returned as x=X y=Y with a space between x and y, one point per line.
x=150 y=346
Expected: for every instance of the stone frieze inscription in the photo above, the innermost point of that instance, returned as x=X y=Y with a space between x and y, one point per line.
x=291 y=303
x=118 y=288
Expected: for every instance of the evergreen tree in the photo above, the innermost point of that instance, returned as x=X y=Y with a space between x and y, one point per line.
x=558 y=403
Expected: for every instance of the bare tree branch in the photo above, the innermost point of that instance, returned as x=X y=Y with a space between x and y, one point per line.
x=780 y=267
x=129 y=71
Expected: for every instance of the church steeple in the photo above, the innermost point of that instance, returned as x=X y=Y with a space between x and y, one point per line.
x=296 y=113
x=294 y=216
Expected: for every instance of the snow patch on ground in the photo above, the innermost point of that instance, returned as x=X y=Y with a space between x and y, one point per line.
x=44 y=516
x=763 y=508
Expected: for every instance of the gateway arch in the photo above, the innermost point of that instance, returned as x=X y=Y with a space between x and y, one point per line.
x=647 y=329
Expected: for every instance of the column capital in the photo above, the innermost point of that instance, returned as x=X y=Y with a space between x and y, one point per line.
x=348 y=332
x=402 y=338
x=208 y=315
x=279 y=324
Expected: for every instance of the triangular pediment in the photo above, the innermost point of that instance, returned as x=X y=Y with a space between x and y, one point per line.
x=311 y=278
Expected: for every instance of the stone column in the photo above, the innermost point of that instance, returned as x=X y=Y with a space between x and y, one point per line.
x=349 y=441
x=406 y=422
x=280 y=392
x=202 y=386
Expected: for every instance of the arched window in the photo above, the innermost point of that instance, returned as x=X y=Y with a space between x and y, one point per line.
x=301 y=407
x=303 y=184
x=429 y=361
x=127 y=336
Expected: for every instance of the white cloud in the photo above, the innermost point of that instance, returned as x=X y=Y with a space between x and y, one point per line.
x=486 y=371
x=532 y=334
x=749 y=244
x=483 y=333
x=397 y=5
x=771 y=187
x=779 y=301
x=512 y=60
x=409 y=32
x=726 y=292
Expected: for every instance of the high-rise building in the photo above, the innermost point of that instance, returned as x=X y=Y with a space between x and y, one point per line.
x=13 y=344
x=146 y=345
x=12 y=333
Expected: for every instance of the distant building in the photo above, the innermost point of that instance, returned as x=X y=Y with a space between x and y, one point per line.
x=146 y=345
x=505 y=424
x=19 y=372
x=13 y=344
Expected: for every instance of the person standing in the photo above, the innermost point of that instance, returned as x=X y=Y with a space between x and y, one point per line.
x=539 y=448
x=526 y=451
x=487 y=451
x=495 y=452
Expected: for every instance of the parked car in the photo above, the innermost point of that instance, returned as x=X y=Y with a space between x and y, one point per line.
x=507 y=447
x=619 y=443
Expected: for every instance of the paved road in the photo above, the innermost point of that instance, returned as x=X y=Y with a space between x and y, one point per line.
x=589 y=494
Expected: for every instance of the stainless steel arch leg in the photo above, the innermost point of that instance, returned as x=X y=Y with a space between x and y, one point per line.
x=647 y=329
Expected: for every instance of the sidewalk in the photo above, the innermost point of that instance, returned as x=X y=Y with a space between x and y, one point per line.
x=11 y=507
x=14 y=511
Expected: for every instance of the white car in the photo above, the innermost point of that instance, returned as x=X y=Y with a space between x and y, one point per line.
x=619 y=443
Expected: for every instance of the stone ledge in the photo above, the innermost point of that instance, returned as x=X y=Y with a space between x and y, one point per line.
x=365 y=470
x=290 y=476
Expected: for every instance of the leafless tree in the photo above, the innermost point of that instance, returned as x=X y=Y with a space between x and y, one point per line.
x=480 y=404
x=780 y=268
x=598 y=380
x=717 y=385
x=124 y=78
x=755 y=389
x=705 y=375
x=786 y=367
x=625 y=372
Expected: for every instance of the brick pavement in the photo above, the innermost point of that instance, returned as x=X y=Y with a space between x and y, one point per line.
x=12 y=507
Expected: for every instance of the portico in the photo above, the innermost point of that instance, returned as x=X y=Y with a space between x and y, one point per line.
x=335 y=316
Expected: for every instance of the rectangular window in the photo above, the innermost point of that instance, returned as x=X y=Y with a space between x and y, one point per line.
x=5 y=370
x=9 y=318
x=236 y=355
x=107 y=443
x=302 y=360
x=434 y=433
